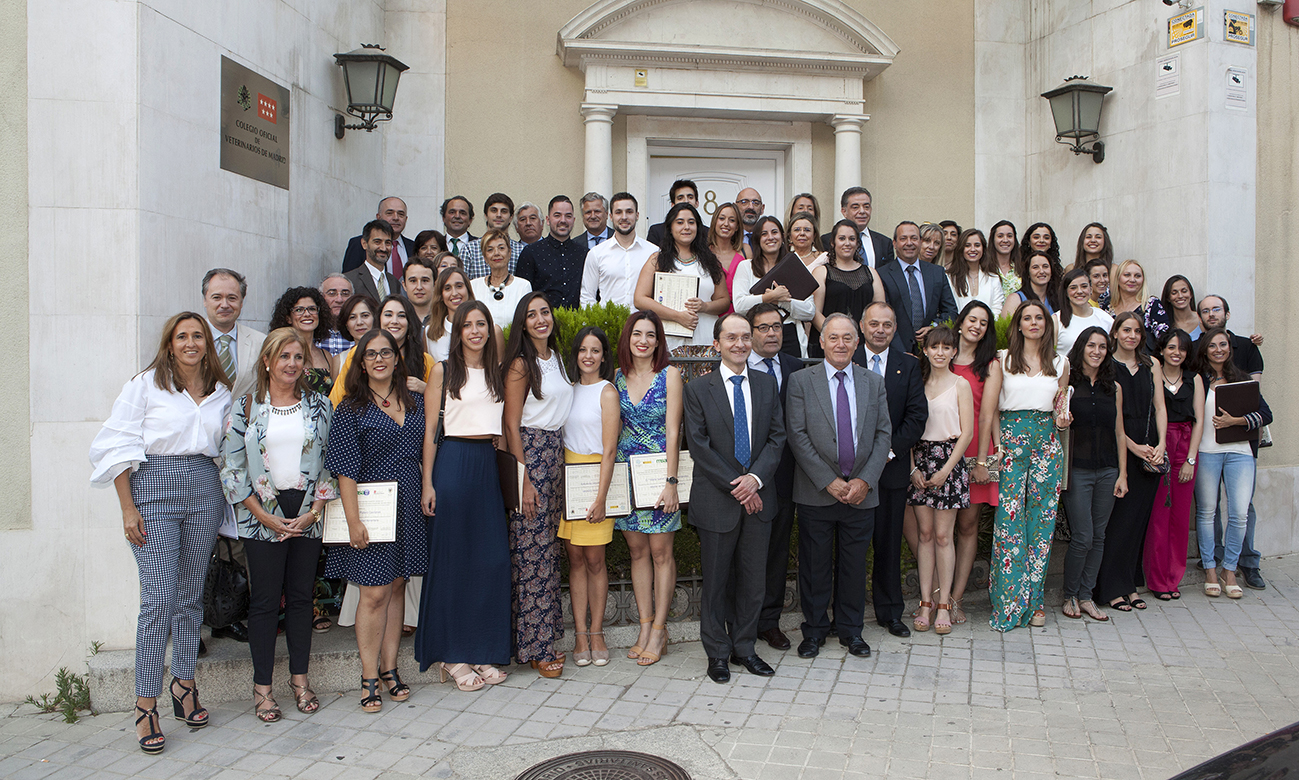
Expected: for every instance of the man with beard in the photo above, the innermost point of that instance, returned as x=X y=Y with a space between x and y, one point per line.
x=554 y=264
x=749 y=202
x=612 y=267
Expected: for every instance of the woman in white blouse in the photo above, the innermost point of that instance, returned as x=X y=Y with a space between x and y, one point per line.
x=158 y=449
x=769 y=243
x=500 y=289
x=1076 y=311
x=685 y=253
x=973 y=272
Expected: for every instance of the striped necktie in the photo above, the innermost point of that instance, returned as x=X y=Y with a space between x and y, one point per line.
x=226 y=357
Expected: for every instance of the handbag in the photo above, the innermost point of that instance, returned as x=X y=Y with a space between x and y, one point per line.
x=1162 y=467
x=225 y=590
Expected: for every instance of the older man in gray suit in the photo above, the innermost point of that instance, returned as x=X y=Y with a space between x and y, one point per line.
x=737 y=433
x=839 y=433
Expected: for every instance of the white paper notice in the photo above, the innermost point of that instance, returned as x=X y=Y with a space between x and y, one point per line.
x=1237 y=94
x=1168 y=75
x=649 y=473
x=376 y=504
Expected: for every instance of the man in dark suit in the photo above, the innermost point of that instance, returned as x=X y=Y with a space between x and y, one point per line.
x=736 y=430
x=918 y=292
x=371 y=278
x=393 y=211
x=766 y=321
x=682 y=190
x=855 y=204
x=838 y=427
x=457 y=215
x=595 y=218
x=908 y=412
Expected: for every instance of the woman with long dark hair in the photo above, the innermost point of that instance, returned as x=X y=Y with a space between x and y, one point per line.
x=1164 y=560
x=1076 y=312
x=768 y=243
x=465 y=610
x=845 y=284
x=305 y=310
x=685 y=252
x=359 y=314
x=976 y=361
x=1093 y=244
x=157 y=449
x=451 y=290
x=973 y=272
x=1005 y=250
x=1174 y=308
x=397 y=315
x=1041 y=282
x=1098 y=474
x=376 y=436
x=1040 y=237
x=1145 y=425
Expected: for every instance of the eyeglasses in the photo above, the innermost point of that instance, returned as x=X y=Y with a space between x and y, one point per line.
x=300 y=310
x=765 y=328
x=1214 y=310
x=384 y=353
x=749 y=202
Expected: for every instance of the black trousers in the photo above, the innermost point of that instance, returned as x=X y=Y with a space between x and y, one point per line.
x=773 y=600
x=886 y=581
x=733 y=569
x=824 y=533
x=278 y=569
x=1125 y=536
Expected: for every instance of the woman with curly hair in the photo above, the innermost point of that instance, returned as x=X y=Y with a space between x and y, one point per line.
x=1040 y=237
x=304 y=309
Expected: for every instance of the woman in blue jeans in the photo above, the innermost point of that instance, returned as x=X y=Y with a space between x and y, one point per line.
x=1231 y=465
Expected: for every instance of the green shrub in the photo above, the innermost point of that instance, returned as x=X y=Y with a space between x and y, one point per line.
x=607 y=316
x=1003 y=331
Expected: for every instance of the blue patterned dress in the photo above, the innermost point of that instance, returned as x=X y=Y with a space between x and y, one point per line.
x=644 y=430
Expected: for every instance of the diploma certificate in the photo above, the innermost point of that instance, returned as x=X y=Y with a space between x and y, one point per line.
x=376 y=505
x=672 y=291
x=649 y=474
x=582 y=484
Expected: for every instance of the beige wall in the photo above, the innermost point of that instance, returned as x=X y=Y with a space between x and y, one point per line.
x=15 y=417
x=917 y=153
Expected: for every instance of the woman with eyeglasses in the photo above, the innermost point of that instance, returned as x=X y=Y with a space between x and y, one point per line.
x=304 y=309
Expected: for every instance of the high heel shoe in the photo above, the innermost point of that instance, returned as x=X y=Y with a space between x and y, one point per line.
x=583 y=657
x=942 y=627
x=305 y=698
x=550 y=669
x=646 y=657
x=153 y=742
x=922 y=623
x=372 y=703
x=598 y=657
x=269 y=714
x=398 y=691
x=467 y=681
x=635 y=650
x=489 y=674
x=197 y=718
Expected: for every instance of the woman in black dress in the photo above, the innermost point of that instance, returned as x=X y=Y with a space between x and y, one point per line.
x=845 y=284
x=1145 y=423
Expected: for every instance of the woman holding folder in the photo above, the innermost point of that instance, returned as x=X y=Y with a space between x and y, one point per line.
x=685 y=253
x=769 y=243
x=1226 y=460
x=845 y=284
x=377 y=435
x=274 y=475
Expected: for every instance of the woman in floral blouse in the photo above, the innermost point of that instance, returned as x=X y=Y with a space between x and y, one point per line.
x=274 y=475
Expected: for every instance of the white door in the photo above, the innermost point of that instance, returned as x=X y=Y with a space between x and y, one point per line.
x=719 y=174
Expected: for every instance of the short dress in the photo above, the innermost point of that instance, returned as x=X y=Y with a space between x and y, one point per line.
x=583 y=443
x=932 y=451
x=980 y=493
x=644 y=430
x=367 y=445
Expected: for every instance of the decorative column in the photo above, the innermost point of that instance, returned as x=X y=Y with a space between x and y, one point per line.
x=599 y=148
x=847 y=150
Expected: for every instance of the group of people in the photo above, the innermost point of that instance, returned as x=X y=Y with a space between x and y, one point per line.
x=858 y=409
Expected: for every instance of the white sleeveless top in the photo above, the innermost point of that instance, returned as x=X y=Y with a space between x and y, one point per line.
x=584 y=431
x=550 y=412
x=1020 y=392
x=944 y=423
x=474 y=413
x=704 y=330
x=440 y=348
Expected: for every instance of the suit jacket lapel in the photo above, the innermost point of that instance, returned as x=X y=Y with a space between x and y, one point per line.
x=718 y=390
x=859 y=382
x=821 y=389
x=904 y=290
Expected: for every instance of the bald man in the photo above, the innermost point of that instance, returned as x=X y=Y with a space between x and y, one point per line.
x=393 y=211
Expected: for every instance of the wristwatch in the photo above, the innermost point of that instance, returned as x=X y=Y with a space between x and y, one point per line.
x=673 y=480
x=1191 y=461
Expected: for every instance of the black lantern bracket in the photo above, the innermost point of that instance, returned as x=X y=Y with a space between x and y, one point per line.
x=370 y=78
x=1076 y=108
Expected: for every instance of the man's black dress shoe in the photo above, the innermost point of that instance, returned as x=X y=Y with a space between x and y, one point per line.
x=896 y=627
x=235 y=631
x=754 y=664
x=775 y=637
x=856 y=646
x=1252 y=578
x=202 y=647
x=718 y=671
x=809 y=648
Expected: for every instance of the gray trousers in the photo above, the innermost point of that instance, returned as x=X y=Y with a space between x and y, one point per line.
x=735 y=573
x=1087 y=502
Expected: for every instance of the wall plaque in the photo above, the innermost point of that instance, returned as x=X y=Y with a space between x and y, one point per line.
x=254 y=125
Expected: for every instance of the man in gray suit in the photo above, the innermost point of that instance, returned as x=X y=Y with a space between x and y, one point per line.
x=839 y=433
x=736 y=432
x=370 y=278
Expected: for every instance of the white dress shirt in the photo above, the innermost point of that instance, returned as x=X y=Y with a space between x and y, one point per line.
x=867 y=247
x=746 y=390
x=830 y=372
x=398 y=251
x=149 y=421
x=906 y=277
x=612 y=271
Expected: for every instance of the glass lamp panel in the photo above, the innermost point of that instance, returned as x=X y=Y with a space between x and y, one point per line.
x=1062 y=113
x=388 y=87
x=362 y=87
x=1089 y=112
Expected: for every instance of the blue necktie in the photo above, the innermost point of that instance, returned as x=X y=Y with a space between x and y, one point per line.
x=741 y=425
x=877 y=365
x=843 y=424
x=917 y=301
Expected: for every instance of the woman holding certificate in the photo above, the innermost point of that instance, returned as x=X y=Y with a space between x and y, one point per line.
x=846 y=285
x=684 y=284
x=157 y=451
x=590 y=436
x=464 y=621
x=769 y=243
x=274 y=475
x=651 y=403
x=538 y=397
x=377 y=435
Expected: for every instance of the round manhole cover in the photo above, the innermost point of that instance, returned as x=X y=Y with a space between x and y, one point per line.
x=606 y=765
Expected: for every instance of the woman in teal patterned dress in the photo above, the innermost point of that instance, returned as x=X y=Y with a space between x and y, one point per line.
x=649 y=395
x=1032 y=462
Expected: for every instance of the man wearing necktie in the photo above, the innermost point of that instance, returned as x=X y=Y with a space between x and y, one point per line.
x=839 y=433
x=595 y=218
x=735 y=428
x=919 y=292
x=457 y=215
x=372 y=278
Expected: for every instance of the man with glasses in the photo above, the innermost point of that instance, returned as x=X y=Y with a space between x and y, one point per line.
x=750 y=204
x=336 y=289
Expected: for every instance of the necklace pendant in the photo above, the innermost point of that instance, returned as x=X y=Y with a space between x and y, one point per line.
x=386 y=404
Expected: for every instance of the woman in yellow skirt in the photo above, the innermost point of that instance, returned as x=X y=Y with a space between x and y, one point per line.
x=591 y=436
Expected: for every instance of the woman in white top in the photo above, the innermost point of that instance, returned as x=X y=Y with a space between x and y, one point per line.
x=940 y=484
x=1032 y=463
x=538 y=397
x=591 y=436
x=157 y=450
x=973 y=272
x=453 y=289
x=769 y=243
x=1230 y=465
x=1076 y=311
x=500 y=289
x=684 y=252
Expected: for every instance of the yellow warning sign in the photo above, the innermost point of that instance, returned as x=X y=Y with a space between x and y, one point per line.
x=1186 y=27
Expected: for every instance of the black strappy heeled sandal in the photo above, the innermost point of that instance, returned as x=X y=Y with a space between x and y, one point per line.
x=153 y=742
x=399 y=691
x=374 y=702
x=196 y=719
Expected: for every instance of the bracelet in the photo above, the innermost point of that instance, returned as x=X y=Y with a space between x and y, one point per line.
x=315 y=514
x=914 y=470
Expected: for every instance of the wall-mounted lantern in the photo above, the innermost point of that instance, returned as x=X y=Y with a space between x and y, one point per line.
x=370 y=77
x=1076 y=108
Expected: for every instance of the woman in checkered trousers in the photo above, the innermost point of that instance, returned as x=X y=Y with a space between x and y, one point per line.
x=158 y=449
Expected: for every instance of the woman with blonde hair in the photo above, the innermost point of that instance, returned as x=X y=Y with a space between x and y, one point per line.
x=804 y=202
x=1128 y=288
x=726 y=240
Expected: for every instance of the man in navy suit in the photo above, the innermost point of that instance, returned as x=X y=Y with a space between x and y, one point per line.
x=393 y=211
x=918 y=292
x=595 y=218
x=766 y=322
x=904 y=388
x=873 y=249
